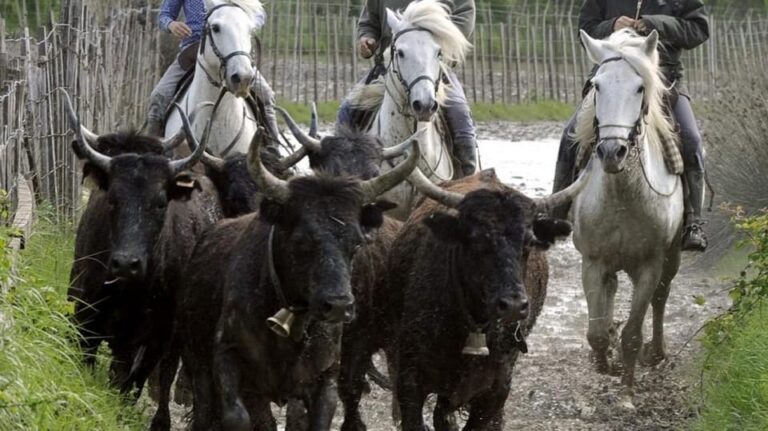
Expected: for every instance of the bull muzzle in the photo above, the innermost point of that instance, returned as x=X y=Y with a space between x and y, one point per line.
x=337 y=309
x=513 y=306
x=127 y=266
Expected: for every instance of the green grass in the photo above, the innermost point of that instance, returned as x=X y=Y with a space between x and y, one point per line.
x=735 y=379
x=43 y=384
x=547 y=110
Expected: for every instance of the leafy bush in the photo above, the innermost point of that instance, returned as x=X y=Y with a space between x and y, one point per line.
x=735 y=367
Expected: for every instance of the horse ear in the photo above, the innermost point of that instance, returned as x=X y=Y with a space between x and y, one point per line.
x=651 y=42
x=209 y=4
x=394 y=22
x=592 y=46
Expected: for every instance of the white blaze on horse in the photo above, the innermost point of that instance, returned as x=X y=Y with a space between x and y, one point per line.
x=629 y=215
x=223 y=62
x=424 y=42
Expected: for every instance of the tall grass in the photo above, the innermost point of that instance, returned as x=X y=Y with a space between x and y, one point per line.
x=43 y=385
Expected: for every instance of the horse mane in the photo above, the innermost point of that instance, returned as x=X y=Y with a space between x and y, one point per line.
x=435 y=17
x=630 y=47
x=254 y=8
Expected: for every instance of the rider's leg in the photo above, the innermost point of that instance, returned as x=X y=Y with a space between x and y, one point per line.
x=565 y=168
x=694 y=237
x=161 y=97
x=350 y=117
x=462 y=126
x=264 y=93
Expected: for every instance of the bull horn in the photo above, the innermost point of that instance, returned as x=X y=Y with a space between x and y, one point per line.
x=433 y=191
x=295 y=157
x=547 y=203
x=170 y=144
x=271 y=186
x=213 y=162
x=375 y=186
x=313 y=122
x=180 y=165
x=399 y=149
x=84 y=138
x=305 y=140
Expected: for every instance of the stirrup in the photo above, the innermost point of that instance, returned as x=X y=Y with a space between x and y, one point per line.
x=694 y=237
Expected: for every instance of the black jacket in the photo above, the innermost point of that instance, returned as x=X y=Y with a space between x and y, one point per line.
x=682 y=24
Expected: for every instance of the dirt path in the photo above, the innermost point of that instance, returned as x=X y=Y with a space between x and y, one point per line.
x=554 y=386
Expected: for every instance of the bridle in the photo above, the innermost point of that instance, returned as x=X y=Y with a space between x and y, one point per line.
x=223 y=59
x=635 y=129
x=394 y=66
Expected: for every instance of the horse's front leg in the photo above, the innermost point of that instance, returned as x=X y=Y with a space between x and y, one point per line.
x=599 y=286
x=646 y=280
x=655 y=351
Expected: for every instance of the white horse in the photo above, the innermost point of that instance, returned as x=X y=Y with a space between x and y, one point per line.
x=630 y=213
x=224 y=62
x=424 y=41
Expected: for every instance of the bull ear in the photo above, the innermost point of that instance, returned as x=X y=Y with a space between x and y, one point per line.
x=182 y=187
x=446 y=228
x=271 y=211
x=93 y=177
x=547 y=230
x=372 y=215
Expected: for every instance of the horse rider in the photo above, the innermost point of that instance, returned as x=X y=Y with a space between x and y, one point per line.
x=190 y=32
x=375 y=37
x=682 y=25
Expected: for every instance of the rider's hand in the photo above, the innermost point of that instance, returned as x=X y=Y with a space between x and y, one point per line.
x=623 y=22
x=641 y=27
x=179 y=29
x=366 y=46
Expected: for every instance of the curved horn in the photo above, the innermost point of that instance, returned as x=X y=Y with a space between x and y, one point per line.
x=295 y=157
x=433 y=191
x=85 y=138
x=399 y=149
x=170 y=144
x=213 y=162
x=375 y=186
x=547 y=203
x=270 y=185
x=305 y=140
x=180 y=165
x=313 y=122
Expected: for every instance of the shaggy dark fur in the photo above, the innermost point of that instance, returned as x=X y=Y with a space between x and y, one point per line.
x=238 y=365
x=138 y=211
x=417 y=318
x=349 y=153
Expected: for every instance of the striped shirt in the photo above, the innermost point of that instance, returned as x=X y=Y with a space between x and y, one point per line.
x=194 y=17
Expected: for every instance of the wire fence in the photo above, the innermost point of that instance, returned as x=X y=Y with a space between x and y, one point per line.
x=108 y=56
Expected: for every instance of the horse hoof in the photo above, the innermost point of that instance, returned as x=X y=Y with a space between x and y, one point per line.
x=600 y=362
x=649 y=356
x=626 y=402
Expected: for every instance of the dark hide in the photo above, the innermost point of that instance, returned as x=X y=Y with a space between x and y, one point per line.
x=238 y=364
x=140 y=208
x=417 y=317
x=238 y=193
x=350 y=153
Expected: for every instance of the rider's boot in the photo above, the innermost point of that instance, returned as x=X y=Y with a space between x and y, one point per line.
x=154 y=128
x=565 y=167
x=694 y=237
x=465 y=152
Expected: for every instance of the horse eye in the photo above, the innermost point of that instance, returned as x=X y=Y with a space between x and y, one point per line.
x=215 y=28
x=597 y=88
x=400 y=53
x=440 y=54
x=641 y=89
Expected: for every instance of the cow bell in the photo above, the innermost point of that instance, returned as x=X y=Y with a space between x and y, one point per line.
x=281 y=322
x=476 y=345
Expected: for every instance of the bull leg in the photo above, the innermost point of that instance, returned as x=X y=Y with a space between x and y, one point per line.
x=645 y=281
x=443 y=417
x=411 y=397
x=486 y=411
x=296 y=415
x=204 y=410
x=324 y=399
x=261 y=415
x=355 y=359
x=167 y=371
x=599 y=286
x=226 y=373
x=655 y=351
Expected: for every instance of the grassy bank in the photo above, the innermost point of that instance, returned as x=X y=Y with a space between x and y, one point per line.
x=734 y=367
x=42 y=382
x=547 y=110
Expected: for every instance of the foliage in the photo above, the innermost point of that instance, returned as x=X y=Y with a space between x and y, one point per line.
x=43 y=384
x=735 y=369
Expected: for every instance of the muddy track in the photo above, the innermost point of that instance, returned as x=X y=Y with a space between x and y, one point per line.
x=554 y=386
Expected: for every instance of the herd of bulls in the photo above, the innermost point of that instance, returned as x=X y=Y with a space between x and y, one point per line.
x=276 y=290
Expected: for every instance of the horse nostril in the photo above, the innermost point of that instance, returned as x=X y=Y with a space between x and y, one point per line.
x=417 y=106
x=433 y=108
x=600 y=152
x=622 y=152
x=235 y=78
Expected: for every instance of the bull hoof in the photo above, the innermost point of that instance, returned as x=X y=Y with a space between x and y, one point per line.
x=650 y=356
x=160 y=423
x=353 y=425
x=236 y=418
